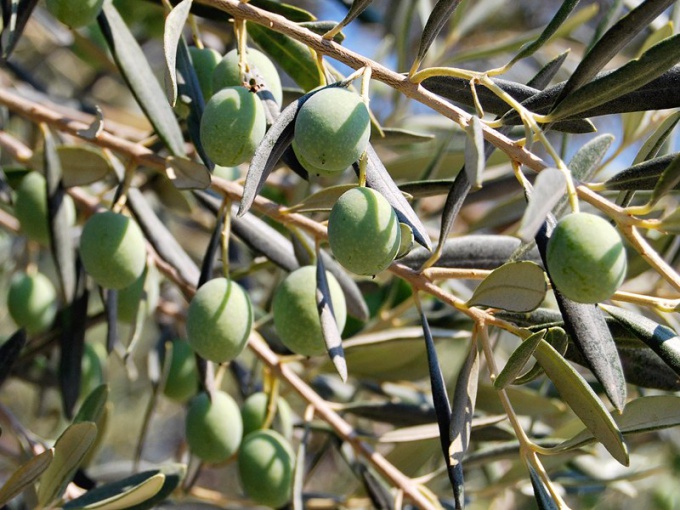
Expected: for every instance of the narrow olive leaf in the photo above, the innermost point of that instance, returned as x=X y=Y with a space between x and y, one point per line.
x=549 y=188
x=93 y=406
x=463 y=407
x=329 y=326
x=474 y=152
x=293 y=57
x=137 y=73
x=73 y=322
x=644 y=414
x=288 y=11
x=643 y=176
x=269 y=152
x=515 y=286
x=160 y=237
x=544 y=500
x=21 y=13
x=82 y=165
x=423 y=188
x=442 y=409
x=357 y=7
x=60 y=219
x=174 y=474
x=629 y=77
x=471 y=252
x=610 y=43
x=211 y=251
x=517 y=360
x=545 y=75
x=439 y=16
x=556 y=337
x=27 y=474
x=582 y=400
x=380 y=497
x=9 y=353
x=323 y=27
x=588 y=329
x=379 y=179
x=661 y=339
x=560 y=16
x=191 y=88
x=588 y=158
x=69 y=451
x=398 y=136
x=409 y=434
x=322 y=200
x=112 y=497
x=187 y=174
x=174 y=24
x=655 y=142
x=669 y=180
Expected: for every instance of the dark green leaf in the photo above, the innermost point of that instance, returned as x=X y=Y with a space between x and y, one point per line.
x=582 y=400
x=290 y=12
x=543 y=498
x=21 y=11
x=543 y=77
x=378 y=178
x=515 y=286
x=661 y=339
x=60 y=219
x=69 y=451
x=174 y=24
x=454 y=201
x=669 y=180
x=549 y=188
x=137 y=73
x=471 y=252
x=357 y=7
x=329 y=326
x=643 y=176
x=380 y=497
x=93 y=406
x=517 y=360
x=322 y=27
x=650 y=149
x=211 y=251
x=611 y=43
x=628 y=78
x=9 y=353
x=27 y=474
x=396 y=136
x=395 y=413
x=439 y=16
x=560 y=16
x=116 y=495
x=73 y=322
x=293 y=56
x=463 y=407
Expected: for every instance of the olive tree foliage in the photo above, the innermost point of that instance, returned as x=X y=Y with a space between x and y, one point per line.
x=461 y=376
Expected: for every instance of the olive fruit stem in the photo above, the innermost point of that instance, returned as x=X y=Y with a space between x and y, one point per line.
x=195 y=32
x=242 y=42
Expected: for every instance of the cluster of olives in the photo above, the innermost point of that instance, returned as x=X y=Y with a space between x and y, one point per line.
x=332 y=130
x=216 y=429
x=586 y=258
x=233 y=122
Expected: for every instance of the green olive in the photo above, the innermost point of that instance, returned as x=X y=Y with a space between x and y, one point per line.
x=213 y=426
x=254 y=413
x=182 y=380
x=266 y=463
x=204 y=60
x=32 y=301
x=363 y=231
x=113 y=250
x=227 y=73
x=232 y=126
x=332 y=130
x=219 y=320
x=296 y=318
x=30 y=208
x=75 y=13
x=586 y=258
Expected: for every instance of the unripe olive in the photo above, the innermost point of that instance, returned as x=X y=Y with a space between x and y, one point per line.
x=585 y=257
x=75 y=13
x=227 y=73
x=232 y=126
x=32 y=301
x=254 y=413
x=204 y=60
x=30 y=208
x=296 y=318
x=113 y=249
x=266 y=463
x=332 y=129
x=363 y=231
x=307 y=165
x=182 y=380
x=213 y=426
x=219 y=320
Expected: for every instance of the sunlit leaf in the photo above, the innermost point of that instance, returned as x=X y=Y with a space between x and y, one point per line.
x=187 y=174
x=439 y=16
x=322 y=200
x=329 y=326
x=174 y=24
x=515 y=286
x=518 y=359
x=669 y=180
x=93 y=406
x=549 y=188
x=653 y=144
x=463 y=407
x=474 y=152
x=25 y=475
x=120 y=495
